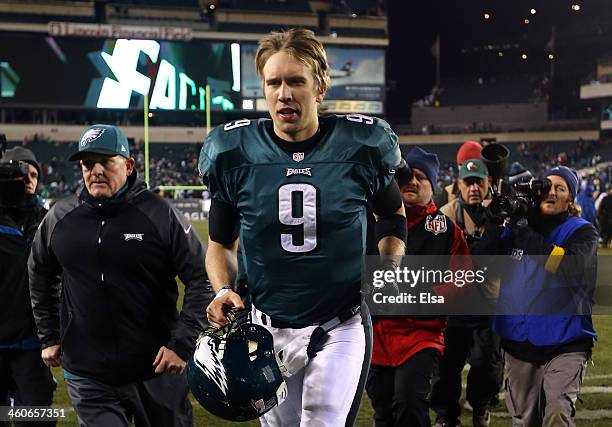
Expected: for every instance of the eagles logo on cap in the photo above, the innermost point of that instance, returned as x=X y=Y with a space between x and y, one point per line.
x=91 y=135
x=473 y=167
x=102 y=139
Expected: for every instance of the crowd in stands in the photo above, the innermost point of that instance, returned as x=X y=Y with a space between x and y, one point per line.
x=577 y=155
x=358 y=7
x=176 y=164
x=538 y=157
x=169 y=164
x=488 y=90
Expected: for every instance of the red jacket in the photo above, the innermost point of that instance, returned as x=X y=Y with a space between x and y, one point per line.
x=398 y=338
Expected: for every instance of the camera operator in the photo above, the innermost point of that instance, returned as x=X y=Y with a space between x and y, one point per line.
x=32 y=211
x=468 y=336
x=23 y=376
x=545 y=355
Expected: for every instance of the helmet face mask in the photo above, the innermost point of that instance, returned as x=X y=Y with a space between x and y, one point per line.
x=234 y=373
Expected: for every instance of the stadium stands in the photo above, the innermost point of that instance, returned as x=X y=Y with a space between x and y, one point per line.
x=45 y=11
x=157 y=13
x=176 y=164
x=493 y=90
x=253 y=28
x=295 y=6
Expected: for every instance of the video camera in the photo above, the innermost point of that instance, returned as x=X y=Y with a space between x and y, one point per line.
x=12 y=184
x=511 y=199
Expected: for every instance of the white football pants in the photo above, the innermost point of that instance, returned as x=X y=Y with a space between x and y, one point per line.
x=324 y=391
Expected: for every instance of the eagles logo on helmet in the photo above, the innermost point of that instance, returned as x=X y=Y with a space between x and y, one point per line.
x=234 y=373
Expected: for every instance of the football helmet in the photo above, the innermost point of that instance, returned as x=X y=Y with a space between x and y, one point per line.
x=234 y=372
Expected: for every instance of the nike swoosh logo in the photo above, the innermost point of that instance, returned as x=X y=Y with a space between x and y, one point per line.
x=186 y=230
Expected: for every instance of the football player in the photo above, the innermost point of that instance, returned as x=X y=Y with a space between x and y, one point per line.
x=297 y=185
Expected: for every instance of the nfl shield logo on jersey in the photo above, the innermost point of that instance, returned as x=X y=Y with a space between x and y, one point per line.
x=435 y=225
x=298 y=157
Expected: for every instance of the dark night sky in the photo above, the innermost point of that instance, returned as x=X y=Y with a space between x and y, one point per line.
x=580 y=39
x=413 y=27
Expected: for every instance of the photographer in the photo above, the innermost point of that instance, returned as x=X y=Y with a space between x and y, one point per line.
x=469 y=337
x=546 y=355
x=23 y=376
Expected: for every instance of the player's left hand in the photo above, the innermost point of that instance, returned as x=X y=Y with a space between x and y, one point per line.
x=167 y=361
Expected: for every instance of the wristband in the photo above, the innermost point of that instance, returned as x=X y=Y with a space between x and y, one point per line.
x=223 y=291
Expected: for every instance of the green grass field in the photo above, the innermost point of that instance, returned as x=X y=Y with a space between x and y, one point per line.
x=599 y=374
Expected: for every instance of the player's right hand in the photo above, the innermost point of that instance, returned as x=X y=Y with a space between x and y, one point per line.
x=52 y=355
x=220 y=306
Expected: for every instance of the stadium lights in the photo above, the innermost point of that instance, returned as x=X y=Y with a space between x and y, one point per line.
x=524 y=56
x=487 y=16
x=575 y=7
x=532 y=11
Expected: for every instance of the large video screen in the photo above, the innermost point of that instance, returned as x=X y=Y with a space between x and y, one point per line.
x=101 y=73
x=357 y=74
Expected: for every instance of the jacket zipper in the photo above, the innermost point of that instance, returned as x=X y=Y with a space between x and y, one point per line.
x=100 y=231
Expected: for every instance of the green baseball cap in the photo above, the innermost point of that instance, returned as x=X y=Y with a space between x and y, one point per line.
x=102 y=139
x=473 y=167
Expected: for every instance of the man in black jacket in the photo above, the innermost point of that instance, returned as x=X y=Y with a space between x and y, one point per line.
x=23 y=376
x=118 y=248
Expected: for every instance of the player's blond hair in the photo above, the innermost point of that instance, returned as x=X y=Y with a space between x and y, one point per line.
x=300 y=44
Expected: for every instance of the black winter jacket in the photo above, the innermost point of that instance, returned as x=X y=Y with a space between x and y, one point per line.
x=118 y=259
x=17 y=228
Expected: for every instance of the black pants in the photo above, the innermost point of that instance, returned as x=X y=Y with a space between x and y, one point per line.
x=400 y=396
x=606 y=233
x=161 y=401
x=482 y=347
x=25 y=378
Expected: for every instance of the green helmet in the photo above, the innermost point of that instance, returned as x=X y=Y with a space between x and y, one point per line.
x=234 y=373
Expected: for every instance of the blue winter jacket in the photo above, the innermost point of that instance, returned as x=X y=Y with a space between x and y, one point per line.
x=526 y=287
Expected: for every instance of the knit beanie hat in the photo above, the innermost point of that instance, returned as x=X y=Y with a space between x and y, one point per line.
x=21 y=154
x=569 y=175
x=468 y=150
x=426 y=162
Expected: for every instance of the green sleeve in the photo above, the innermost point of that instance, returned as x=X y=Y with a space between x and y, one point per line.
x=388 y=158
x=211 y=167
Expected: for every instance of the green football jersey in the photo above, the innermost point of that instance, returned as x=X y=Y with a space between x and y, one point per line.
x=302 y=216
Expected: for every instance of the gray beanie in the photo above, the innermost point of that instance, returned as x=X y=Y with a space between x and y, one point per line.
x=21 y=154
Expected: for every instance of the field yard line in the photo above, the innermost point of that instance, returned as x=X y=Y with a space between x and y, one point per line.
x=598 y=377
x=595 y=389
x=583 y=390
x=584 y=414
x=466 y=368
